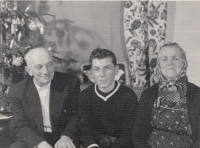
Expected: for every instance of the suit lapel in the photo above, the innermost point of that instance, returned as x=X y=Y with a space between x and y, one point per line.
x=34 y=105
x=56 y=104
x=52 y=106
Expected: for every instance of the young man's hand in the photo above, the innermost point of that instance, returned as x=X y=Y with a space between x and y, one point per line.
x=64 y=142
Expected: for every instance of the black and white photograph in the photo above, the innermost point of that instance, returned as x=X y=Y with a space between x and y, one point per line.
x=99 y=74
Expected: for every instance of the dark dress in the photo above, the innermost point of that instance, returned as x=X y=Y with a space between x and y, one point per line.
x=170 y=123
x=144 y=126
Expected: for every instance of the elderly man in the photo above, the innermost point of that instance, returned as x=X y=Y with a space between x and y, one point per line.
x=106 y=110
x=43 y=104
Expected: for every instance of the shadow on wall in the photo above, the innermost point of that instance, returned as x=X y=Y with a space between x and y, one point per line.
x=70 y=41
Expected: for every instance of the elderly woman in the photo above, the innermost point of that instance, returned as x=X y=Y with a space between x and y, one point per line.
x=168 y=115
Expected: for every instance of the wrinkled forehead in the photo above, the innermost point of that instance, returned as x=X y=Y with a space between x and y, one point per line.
x=170 y=51
x=38 y=56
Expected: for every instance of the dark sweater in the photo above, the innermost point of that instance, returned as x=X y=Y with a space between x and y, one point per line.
x=113 y=117
x=142 y=127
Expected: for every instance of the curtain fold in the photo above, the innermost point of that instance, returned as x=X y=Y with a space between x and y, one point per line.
x=144 y=32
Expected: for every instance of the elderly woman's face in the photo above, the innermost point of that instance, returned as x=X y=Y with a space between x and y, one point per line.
x=171 y=63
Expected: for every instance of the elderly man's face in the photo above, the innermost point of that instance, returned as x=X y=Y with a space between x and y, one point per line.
x=40 y=66
x=171 y=63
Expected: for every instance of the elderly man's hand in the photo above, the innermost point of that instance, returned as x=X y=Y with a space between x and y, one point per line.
x=44 y=144
x=64 y=142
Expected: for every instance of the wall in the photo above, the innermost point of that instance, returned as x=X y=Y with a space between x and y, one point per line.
x=183 y=27
x=100 y=24
x=81 y=26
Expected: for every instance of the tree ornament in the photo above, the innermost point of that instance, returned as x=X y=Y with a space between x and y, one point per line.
x=32 y=26
x=6 y=25
x=11 y=43
x=17 y=24
x=18 y=61
x=19 y=36
x=12 y=29
x=42 y=30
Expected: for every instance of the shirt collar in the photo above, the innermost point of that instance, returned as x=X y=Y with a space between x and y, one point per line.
x=42 y=88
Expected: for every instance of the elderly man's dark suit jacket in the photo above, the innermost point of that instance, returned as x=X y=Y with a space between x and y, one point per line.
x=27 y=122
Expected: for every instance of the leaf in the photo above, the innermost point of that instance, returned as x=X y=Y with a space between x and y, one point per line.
x=133 y=33
x=43 y=21
x=131 y=50
x=131 y=64
x=152 y=5
x=156 y=9
x=133 y=10
x=136 y=8
x=19 y=70
x=50 y=43
x=128 y=39
x=59 y=60
x=165 y=25
x=145 y=35
x=27 y=8
x=19 y=13
x=41 y=13
x=153 y=21
x=154 y=49
x=39 y=18
x=151 y=24
x=139 y=53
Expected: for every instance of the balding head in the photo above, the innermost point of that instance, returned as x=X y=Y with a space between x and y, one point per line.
x=37 y=53
x=40 y=65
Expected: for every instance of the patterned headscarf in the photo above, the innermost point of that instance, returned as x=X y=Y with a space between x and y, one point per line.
x=176 y=84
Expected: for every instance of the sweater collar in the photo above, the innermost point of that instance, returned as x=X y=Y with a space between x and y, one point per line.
x=109 y=95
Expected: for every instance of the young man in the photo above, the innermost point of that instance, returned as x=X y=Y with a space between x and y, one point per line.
x=106 y=110
x=43 y=104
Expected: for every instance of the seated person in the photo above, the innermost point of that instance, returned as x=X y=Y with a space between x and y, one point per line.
x=168 y=114
x=42 y=104
x=106 y=109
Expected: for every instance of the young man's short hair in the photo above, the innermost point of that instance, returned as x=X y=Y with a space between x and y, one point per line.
x=102 y=54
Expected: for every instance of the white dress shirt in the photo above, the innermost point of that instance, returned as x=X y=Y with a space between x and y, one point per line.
x=90 y=146
x=44 y=93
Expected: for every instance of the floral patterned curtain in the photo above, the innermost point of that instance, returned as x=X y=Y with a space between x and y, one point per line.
x=144 y=31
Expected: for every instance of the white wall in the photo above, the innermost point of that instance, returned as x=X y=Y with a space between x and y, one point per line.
x=183 y=27
x=105 y=20
x=96 y=24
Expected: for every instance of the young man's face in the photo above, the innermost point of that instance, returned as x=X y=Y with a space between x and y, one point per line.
x=104 y=73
